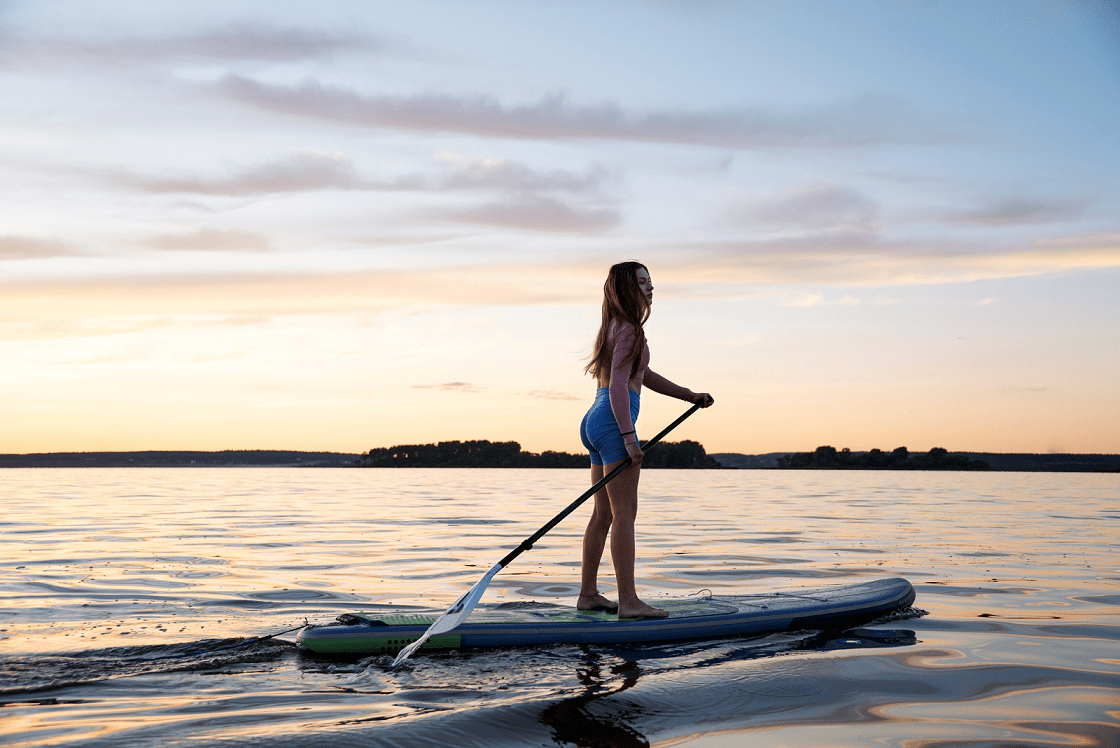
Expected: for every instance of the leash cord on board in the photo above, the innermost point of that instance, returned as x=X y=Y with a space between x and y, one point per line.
x=304 y=625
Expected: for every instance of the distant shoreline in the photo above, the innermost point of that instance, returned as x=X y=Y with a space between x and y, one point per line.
x=1014 y=462
x=185 y=458
x=998 y=462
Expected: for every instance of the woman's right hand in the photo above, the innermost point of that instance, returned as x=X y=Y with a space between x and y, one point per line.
x=635 y=452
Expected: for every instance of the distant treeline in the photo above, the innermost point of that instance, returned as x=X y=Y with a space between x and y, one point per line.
x=482 y=453
x=148 y=459
x=899 y=459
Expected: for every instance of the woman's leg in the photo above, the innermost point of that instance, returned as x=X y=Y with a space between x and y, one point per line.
x=623 y=494
x=594 y=540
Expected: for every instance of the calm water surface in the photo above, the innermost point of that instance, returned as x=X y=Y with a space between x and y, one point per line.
x=135 y=606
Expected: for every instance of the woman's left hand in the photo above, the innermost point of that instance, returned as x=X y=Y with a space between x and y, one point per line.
x=703 y=399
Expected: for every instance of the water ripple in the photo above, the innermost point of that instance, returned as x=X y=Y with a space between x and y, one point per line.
x=182 y=570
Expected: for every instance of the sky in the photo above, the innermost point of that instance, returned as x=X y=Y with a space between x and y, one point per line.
x=349 y=224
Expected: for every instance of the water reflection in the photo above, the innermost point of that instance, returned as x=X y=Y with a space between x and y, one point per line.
x=595 y=718
x=572 y=721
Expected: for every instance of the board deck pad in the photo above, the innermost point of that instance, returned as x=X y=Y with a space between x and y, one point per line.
x=696 y=617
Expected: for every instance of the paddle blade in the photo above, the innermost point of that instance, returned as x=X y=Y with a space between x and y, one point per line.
x=453 y=616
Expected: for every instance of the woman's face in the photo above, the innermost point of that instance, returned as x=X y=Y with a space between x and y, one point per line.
x=645 y=284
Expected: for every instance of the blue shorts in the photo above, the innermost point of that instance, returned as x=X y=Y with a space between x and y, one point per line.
x=599 y=431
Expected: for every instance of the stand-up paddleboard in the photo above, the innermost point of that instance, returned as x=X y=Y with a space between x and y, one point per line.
x=697 y=617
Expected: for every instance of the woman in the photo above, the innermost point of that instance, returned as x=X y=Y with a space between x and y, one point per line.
x=620 y=364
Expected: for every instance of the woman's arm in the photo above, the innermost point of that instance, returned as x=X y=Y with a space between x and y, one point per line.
x=663 y=386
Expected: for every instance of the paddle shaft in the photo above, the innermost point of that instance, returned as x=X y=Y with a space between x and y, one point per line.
x=528 y=542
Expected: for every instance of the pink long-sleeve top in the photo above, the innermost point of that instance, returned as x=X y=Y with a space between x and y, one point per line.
x=624 y=338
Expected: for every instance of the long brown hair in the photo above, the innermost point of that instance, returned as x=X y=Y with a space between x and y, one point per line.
x=623 y=301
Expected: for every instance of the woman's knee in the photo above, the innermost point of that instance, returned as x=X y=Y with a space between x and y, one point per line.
x=602 y=515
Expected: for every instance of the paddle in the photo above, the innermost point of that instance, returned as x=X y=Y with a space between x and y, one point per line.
x=458 y=612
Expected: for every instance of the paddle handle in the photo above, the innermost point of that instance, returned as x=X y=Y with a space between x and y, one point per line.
x=528 y=542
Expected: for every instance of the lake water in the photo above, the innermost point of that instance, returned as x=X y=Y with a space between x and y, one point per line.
x=134 y=602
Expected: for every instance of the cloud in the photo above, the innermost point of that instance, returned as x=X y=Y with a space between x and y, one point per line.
x=811 y=300
x=1019 y=210
x=539 y=213
x=805 y=300
x=709 y=271
x=300 y=172
x=864 y=121
x=26 y=248
x=358 y=293
x=307 y=171
x=551 y=395
x=506 y=175
x=229 y=44
x=213 y=240
x=38 y=326
x=448 y=387
x=858 y=260
x=817 y=206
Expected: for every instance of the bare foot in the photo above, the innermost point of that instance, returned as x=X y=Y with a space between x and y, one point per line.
x=641 y=610
x=596 y=602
